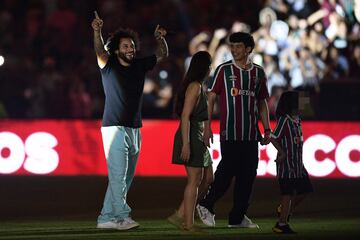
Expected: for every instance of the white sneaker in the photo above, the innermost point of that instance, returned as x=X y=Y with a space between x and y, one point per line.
x=206 y=216
x=245 y=223
x=107 y=225
x=127 y=223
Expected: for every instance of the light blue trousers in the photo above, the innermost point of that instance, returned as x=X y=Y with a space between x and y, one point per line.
x=121 y=147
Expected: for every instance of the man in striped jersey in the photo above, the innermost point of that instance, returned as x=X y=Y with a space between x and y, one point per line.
x=241 y=86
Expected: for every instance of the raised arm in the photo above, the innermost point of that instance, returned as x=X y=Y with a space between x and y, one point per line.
x=218 y=35
x=101 y=54
x=162 y=50
x=196 y=41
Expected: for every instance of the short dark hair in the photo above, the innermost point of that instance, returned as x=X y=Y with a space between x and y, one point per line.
x=112 y=43
x=242 y=37
x=288 y=103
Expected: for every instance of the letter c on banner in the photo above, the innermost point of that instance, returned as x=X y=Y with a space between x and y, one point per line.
x=313 y=144
x=342 y=156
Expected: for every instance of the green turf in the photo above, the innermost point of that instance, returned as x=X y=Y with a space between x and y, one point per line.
x=318 y=228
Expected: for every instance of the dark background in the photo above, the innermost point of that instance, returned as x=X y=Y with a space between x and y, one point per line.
x=50 y=68
x=36 y=198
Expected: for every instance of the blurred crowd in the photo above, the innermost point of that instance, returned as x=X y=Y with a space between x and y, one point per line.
x=49 y=68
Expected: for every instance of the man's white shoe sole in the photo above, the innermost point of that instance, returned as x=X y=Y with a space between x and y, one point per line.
x=117 y=227
x=128 y=227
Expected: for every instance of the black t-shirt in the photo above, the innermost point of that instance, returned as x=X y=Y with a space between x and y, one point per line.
x=123 y=87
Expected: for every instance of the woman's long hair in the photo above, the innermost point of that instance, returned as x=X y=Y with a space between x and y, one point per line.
x=288 y=104
x=198 y=70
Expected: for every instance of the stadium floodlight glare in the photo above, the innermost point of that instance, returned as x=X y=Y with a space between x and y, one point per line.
x=2 y=60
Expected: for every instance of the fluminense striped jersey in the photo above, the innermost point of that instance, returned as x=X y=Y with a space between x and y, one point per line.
x=289 y=134
x=239 y=91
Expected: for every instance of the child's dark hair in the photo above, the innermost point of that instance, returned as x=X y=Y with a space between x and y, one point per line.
x=198 y=70
x=288 y=104
x=112 y=43
x=242 y=37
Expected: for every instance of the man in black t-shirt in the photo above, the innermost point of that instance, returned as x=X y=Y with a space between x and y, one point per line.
x=123 y=76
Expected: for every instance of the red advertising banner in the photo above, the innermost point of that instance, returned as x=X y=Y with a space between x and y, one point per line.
x=74 y=147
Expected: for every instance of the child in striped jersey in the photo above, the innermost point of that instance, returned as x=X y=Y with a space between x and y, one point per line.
x=288 y=140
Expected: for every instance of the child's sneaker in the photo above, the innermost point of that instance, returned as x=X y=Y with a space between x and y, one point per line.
x=285 y=229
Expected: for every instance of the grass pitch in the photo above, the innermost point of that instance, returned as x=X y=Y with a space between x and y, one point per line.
x=67 y=208
x=307 y=228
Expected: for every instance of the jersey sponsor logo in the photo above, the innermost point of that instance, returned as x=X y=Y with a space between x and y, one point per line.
x=236 y=92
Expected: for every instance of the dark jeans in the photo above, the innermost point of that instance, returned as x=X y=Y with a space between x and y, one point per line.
x=240 y=160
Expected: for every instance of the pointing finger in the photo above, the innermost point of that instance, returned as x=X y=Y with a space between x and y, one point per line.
x=96 y=15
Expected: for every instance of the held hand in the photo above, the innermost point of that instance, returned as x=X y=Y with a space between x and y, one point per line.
x=280 y=157
x=97 y=23
x=267 y=137
x=159 y=32
x=265 y=140
x=208 y=136
x=185 y=152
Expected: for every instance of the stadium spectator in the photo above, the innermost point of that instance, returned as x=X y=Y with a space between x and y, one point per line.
x=27 y=42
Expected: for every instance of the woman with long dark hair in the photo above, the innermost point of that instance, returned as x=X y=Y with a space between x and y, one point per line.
x=189 y=148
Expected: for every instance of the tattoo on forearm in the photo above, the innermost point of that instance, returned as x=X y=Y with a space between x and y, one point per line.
x=162 y=50
x=99 y=44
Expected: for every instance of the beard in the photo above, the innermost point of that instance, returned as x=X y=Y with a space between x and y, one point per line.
x=123 y=57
